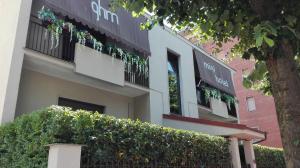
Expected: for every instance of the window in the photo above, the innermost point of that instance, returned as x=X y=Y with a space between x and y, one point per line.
x=77 y=105
x=174 y=84
x=200 y=93
x=231 y=110
x=251 y=104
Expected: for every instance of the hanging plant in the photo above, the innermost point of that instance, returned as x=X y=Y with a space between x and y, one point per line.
x=46 y=15
x=229 y=100
x=210 y=92
x=56 y=27
x=55 y=31
x=70 y=28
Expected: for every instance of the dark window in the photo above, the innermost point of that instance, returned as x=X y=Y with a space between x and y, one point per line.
x=231 y=110
x=174 y=84
x=201 y=100
x=77 y=105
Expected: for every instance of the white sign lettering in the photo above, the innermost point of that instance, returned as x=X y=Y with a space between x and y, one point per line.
x=218 y=79
x=102 y=12
x=209 y=67
x=222 y=81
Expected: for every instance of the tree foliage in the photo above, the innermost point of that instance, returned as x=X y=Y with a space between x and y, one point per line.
x=258 y=79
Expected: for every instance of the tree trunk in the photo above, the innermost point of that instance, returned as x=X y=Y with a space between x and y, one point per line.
x=285 y=82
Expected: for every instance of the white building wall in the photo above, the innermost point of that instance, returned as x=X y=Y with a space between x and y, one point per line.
x=160 y=42
x=14 y=16
x=141 y=108
x=97 y=65
x=38 y=91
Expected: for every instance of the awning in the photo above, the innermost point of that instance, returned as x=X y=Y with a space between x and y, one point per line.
x=214 y=73
x=96 y=14
x=213 y=127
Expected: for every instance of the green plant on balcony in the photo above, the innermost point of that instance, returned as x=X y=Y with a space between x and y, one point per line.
x=57 y=26
x=210 y=92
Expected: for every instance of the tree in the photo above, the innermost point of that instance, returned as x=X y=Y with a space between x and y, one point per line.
x=267 y=30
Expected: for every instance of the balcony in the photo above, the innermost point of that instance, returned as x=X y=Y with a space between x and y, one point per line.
x=65 y=51
x=215 y=109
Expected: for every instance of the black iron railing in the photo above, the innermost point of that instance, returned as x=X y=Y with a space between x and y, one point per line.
x=39 y=39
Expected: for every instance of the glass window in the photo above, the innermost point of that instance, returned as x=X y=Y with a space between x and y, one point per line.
x=251 y=104
x=174 y=84
x=78 y=105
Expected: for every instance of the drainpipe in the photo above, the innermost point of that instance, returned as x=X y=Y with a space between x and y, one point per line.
x=261 y=139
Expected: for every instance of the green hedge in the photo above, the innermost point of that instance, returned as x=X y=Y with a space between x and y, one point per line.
x=23 y=142
x=269 y=157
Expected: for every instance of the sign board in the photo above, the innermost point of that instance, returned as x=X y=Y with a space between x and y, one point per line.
x=119 y=25
x=214 y=73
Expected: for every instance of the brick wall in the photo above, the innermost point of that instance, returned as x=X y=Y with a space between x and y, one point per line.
x=264 y=117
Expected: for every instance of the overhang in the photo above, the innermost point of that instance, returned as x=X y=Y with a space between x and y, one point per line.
x=213 y=127
x=47 y=65
x=118 y=25
x=214 y=73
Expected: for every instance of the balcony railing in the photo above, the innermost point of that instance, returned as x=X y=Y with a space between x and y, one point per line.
x=38 y=39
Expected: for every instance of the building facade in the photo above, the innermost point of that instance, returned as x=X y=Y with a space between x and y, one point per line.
x=98 y=60
x=256 y=110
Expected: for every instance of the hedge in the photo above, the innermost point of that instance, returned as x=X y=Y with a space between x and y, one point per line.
x=23 y=142
x=269 y=157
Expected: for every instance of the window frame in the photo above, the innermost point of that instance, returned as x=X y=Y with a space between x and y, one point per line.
x=62 y=101
x=175 y=56
x=248 y=105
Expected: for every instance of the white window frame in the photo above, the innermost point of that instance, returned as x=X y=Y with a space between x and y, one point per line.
x=251 y=107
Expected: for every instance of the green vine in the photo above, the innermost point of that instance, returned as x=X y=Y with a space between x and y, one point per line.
x=210 y=92
x=56 y=27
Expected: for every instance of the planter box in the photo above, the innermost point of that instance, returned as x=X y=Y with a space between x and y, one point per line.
x=219 y=108
x=95 y=64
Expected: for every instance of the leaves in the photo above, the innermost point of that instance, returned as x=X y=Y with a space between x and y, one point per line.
x=210 y=92
x=269 y=157
x=263 y=32
x=269 y=41
x=258 y=79
x=246 y=55
x=259 y=40
x=23 y=141
x=291 y=20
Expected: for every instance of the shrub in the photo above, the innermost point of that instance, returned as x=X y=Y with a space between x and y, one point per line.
x=23 y=142
x=269 y=157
